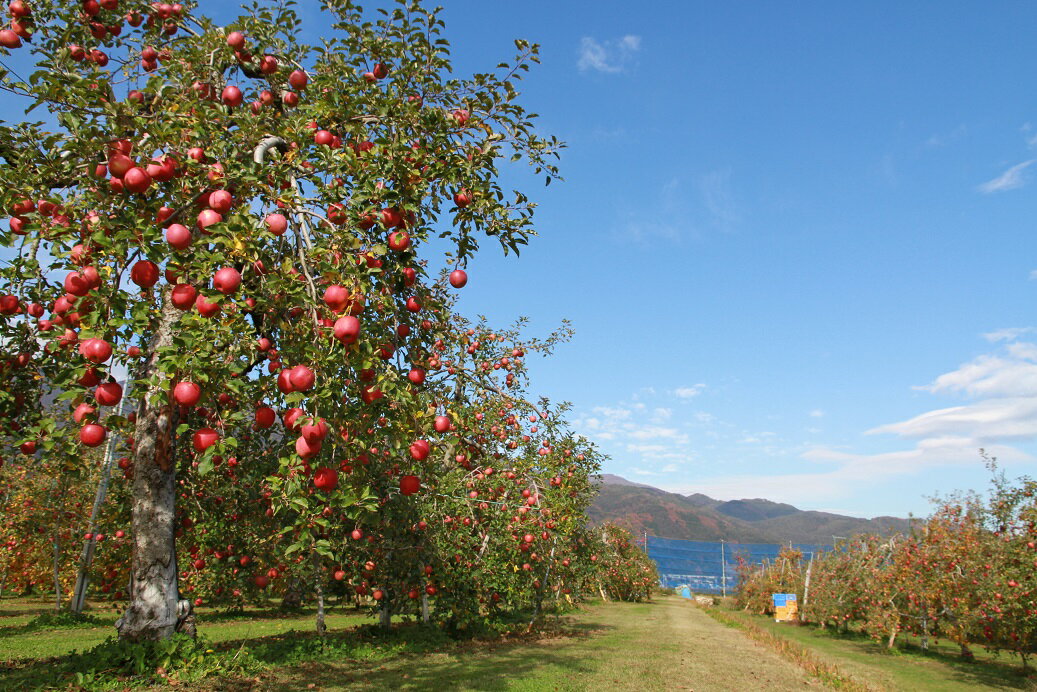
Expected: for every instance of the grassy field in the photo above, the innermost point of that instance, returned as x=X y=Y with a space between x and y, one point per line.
x=907 y=667
x=669 y=644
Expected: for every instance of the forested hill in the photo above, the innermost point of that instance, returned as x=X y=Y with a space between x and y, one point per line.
x=641 y=508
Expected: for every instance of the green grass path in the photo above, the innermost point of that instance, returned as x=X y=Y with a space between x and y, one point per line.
x=666 y=645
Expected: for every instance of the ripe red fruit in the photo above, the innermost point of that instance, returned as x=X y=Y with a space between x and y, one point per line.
x=206 y=308
x=413 y=304
x=231 y=96
x=458 y=278
x=336 y=297
x=276 y=223
x=261 y=581
x=442 y=424
x=236 y=40
x=186 y=393
x=96 y=350
x=268 y=64
x=9 y=39
x=284 y=381
x=82 y=411
x=227 y=280
x=221 y=201
x=377 y=594
x=462 y=198
x=357 y=534
x=183 y=296
x=208 y=217
x=136 y=180
x=92 y=434
x=416 y=375
x=347 y=329
x=409 y=485
x=178 y=236
x=325 y=479
x=265 y=417
x=419 y=450
x=399 y=241
x=302 y=378
x=307 y=449
x=298 y=79
x=204 y=438
x=108 y=393
x=144 y=273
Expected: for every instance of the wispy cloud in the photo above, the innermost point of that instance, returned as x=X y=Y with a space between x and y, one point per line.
x=610 y=56
x=942 y=139
x=1009 y=180
x=718 y=198
x=1009 y=334
x=689 y=392
x=817 y=413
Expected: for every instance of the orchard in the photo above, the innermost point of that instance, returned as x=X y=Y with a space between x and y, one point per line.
x=968 y=574
x=228 y=322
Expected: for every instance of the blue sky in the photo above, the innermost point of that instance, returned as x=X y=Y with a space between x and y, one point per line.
x=795 y=240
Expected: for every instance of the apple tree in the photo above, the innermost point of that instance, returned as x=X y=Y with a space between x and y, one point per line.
x=243 y=225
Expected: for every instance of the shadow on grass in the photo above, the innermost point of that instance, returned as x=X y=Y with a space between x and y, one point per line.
x=475 y=664
x=294 y=659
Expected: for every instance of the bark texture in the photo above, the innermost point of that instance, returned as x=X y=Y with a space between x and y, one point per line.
x=152 y=611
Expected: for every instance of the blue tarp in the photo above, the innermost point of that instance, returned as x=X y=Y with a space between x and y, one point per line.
x=705 y=565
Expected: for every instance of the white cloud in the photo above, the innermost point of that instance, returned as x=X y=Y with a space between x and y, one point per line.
x=1009 y=180
x=661 y=415
x=609 y=57
x=1011 y=333
x=817 y=413
x=689 y=392
x=718 y=198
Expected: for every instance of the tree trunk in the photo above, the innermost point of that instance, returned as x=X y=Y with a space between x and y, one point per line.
x=386 y=614
x=152 y=610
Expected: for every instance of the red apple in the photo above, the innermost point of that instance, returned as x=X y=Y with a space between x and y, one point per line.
x=458 y=278
x=265 y=417
x=183 y=296
x=347 y=329
x=144 y=273
x=204 y=438
x=92 y=434
x=178 y=236
x=186 y=393
x=276 y=223
x=108 y=393
x=409 y=485
x=325 y=479
x=231 y=96
x=227 y=280
x=302 y=378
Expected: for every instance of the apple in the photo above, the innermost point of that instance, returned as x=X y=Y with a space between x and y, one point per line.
x=347 y=329
x=108 y=393
x=231 y=96
x=284 y=381
x=399 y=241
x=96 y=350
x=137 y=180
x=178 y=236
x=298 y=79
x=276 y=223
x=183 y=296
x=315 y=431
x=204 y=438
x=92 y=434
x=416 y=375
x=409 y=485
x=82 y=411
x=9 y=39
x=220 y=201
x=306 y=449
x=144 y=273
x=186 y=393
x=208 y=217
x=462 y=198
x=205 y=308
x=325 y=479
x=302 y=378
x=442 y=424
x=458 y=278
x=419 y=450
x=261 y=581
x=227 y=280
x=265 y=417
x=357 y=534
x=413 y=305
x=236 y=40
x=336 y=297
x=268 y=64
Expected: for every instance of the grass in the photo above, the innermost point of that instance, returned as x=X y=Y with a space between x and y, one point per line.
x=621 y=646
x=867 y=663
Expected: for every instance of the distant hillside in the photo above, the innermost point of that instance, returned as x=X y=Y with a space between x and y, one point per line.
x=642 y=508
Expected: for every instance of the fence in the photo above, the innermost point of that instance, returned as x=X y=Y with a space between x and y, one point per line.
x=708 y=566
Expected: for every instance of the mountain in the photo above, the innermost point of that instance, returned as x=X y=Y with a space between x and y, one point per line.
x=641 y=508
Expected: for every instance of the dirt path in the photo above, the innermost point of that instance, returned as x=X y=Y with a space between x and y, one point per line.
x=710 y=656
